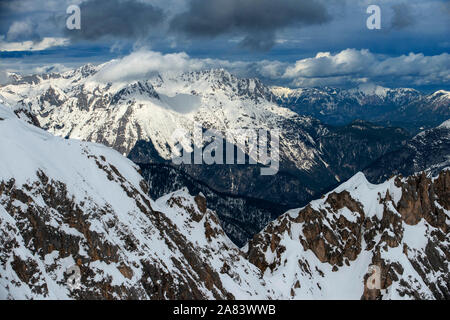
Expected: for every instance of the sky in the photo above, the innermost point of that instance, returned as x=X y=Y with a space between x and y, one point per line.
x=295 y=43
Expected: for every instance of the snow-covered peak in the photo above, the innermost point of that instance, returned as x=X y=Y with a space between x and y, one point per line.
x=326 y=249
x=441 y=95
x=445 y=125
x=83 y=72
x=371 y=89
x=284 y=92
x=135 y=91
x=31 y=149
x=363 y=191
x=210 y=82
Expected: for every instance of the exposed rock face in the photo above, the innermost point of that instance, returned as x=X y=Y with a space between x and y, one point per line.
x=401 y=226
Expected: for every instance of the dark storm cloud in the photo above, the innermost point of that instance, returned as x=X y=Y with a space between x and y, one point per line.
x=256 y=20
x=259 y=41
x=6 y=11
x=403 y=16
x=116 y=18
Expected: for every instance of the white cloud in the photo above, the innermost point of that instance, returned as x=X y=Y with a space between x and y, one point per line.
x=43 y=44
x=348 y=68
x=353 y=66
x=142 y=63
x=325 y=64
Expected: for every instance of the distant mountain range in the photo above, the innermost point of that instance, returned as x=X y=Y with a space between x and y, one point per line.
x=428 y=151
x=403 y=107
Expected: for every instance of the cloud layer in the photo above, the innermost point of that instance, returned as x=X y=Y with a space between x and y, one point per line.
x=256 y=20
x=353 y=66
x=40 y=45
x=403 y=16
x=116 y=18
x=143 y=63
x=347 y=68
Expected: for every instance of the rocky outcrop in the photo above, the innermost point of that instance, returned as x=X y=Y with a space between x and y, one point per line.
x=401 y=227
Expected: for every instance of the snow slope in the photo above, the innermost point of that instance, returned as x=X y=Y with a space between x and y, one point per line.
x=65 y=203
x=324 y=251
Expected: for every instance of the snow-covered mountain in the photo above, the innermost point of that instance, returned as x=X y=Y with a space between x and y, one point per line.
x=403 y=106
x=22 y=112
x=76 y=104
x=138 y=119
x=428 y=151
x=324 y=250
x=68 y=205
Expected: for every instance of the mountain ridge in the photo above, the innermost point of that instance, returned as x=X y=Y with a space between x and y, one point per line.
x=404 y=107
x=87 y=206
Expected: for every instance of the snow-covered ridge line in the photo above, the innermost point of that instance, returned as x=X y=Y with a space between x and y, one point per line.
x=367 y=90
x=445 y=125
x=326 y=249
x=69 y=204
